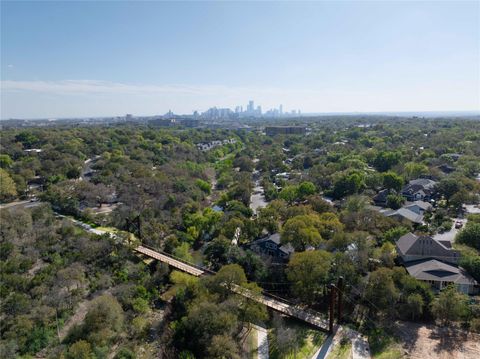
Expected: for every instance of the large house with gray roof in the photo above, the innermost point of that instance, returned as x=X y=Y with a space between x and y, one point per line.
x=439 y=275
x=411 y=247
x=435 y=262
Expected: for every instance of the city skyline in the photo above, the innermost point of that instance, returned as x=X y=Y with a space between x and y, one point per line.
x=148 y=58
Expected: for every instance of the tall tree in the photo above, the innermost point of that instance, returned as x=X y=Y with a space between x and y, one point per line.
x=308 y=273
x=450 y=305
x=8 y=190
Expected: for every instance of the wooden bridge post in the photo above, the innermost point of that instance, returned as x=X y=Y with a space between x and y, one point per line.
x=331 y=307
x=340 y=299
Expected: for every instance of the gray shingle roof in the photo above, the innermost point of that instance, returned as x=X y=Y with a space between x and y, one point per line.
x=405 y=213
x=410 y=244
x=432 y=269
x=421 y=204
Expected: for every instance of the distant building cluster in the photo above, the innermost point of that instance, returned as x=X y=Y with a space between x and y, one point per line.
x=207 y=146
x=250 y=111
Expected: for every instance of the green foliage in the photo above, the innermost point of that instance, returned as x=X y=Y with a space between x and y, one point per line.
x=183 y=252
x=5 y=161
x=414 y=305
x=309 y=230
x=450 y=306
x=394 y=233
x=8 y=190
x=470 y=235
x=204 y=321
x=385 y=160
x=471 y=263
x=391 y=180
x=302 y=231
x=348 y=184
x=289 y=194
x=308 y=272
x=104 y=319
x=306 y=189
x=80 y=350
x=448 y=187
x=381 y=291
x=204 y=186
x=395 y=201
x=27 y=139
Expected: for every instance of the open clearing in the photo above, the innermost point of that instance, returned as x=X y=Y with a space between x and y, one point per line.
x=434 y=342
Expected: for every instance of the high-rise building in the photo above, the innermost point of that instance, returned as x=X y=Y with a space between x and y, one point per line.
x=280 y=109
x=250 y=107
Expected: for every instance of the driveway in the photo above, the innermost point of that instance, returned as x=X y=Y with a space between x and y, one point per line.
x=450 y=235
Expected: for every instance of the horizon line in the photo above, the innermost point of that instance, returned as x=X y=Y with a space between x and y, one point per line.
x=288 y=115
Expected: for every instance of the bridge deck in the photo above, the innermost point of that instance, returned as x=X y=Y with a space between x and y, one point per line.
x=305 y=315
x=170 y=261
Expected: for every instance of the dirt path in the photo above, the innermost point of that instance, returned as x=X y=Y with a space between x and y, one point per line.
x=434 y=342
x=212 y=177
x=76 y=318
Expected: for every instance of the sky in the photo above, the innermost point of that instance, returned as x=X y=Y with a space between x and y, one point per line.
x=79 y=59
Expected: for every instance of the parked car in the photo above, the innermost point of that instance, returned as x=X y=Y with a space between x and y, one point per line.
x=458 y=224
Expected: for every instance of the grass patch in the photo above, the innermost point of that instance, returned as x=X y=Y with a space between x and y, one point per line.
x=341 y=351
x=390 y=353
x=251 y=344
x=294 y=341
x=384 y=345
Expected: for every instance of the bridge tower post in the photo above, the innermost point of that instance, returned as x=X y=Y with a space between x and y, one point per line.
x=332 y=308
x=340 y=299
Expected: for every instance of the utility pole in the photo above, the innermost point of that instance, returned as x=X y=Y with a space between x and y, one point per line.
x=332 y=307
x=340 y=299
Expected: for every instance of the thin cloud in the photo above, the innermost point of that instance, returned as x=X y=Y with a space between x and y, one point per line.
x=96 y=87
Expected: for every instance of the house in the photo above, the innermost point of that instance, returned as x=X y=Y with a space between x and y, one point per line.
x=440 y=274
x=380 y=199
x=404 y=214
x=272 y=246
x=419 y=189
x=411 y=247
x=419 y=207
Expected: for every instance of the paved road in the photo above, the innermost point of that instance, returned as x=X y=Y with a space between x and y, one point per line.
x=450 y=235
x=360 y=346
x=262 y=342
x=85 y=226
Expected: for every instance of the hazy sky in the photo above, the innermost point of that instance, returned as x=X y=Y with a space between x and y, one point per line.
x=64 y=59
